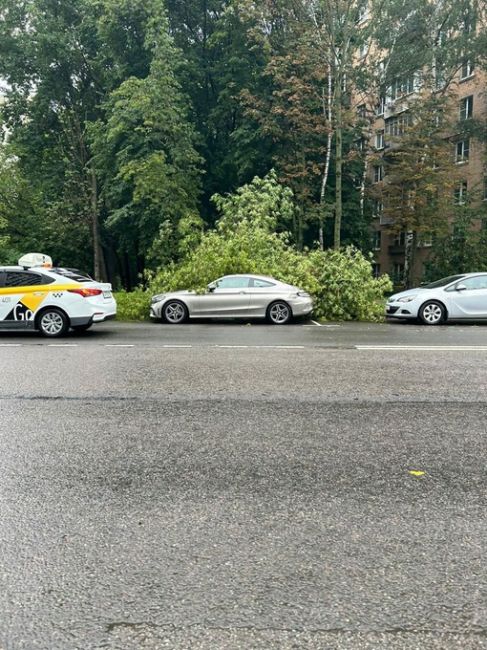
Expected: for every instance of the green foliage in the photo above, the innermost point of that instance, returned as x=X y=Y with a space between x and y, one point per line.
x=264 y=202
x=463 y=249
x=244 y=242
x=133 y=306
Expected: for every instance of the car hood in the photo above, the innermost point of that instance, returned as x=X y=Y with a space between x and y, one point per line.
x=409 y=292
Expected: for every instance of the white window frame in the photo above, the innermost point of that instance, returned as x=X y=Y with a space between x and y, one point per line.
x=378 y=173
x=380 y=142
x=466 y=107
x=467 y=70
x=461 y=193
x=381 y=107
x=462 y=151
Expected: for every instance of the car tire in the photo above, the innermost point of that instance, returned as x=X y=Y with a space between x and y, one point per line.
x=52 y=323
x=81 y=328
x=279 y=313
x=175 y=312
x=432 y=313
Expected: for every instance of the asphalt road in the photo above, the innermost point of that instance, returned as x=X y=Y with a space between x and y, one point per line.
x=234 y=486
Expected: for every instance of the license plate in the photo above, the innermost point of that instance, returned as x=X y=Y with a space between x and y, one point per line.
x=107 y=295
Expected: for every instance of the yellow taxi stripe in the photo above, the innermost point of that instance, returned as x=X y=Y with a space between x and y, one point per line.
x=38 y=288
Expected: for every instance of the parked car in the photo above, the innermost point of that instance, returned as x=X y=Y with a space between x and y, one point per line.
x=457 y=297
x=235 y=296
x=34 y=295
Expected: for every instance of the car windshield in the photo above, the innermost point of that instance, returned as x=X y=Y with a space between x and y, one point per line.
x=443 y=282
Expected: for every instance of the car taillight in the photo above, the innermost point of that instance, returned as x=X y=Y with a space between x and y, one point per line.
x=86 y=293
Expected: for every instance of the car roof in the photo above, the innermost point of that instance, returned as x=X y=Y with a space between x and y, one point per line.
x=250 y=275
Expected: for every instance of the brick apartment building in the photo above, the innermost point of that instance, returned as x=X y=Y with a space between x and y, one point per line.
x=389 y=118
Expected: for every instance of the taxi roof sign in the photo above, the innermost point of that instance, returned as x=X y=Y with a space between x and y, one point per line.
x=35 y=259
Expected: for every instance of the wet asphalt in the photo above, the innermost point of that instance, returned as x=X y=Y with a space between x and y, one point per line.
x=243 y=486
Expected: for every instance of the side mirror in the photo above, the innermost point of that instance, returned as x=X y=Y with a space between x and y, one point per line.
x=211 y=287
x=460 y=287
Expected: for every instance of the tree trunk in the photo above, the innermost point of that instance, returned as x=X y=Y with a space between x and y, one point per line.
x=338 y=162
x=327 y=109
x=99 y=267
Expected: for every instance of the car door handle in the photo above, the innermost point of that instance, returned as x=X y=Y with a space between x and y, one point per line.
x=243 y=293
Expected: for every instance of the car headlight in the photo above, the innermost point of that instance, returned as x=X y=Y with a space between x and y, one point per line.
x=157 y=298
x=303 y=294
x=407 y=298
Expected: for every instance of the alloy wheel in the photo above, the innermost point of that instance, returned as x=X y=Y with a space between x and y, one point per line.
x=175 y=313
x=52 y=323
x=279 y=313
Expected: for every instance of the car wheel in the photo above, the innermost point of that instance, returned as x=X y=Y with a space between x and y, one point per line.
x=175 y=312
x=279 y=313
x=81 y=328
x=53 y=323
x=432 y=313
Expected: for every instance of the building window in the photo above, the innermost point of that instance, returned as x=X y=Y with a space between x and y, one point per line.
x=461 y=193
x=401 y=87
x=376 y=270
x=462 y=151
x=400 y=240
x=378 y=173
x=485 y=189
x=395 y=126
x=466 y=70
x=398 y=273
x=378 y=208
x=425 y=241
x=362 y=111
x=379 y=140
x=466 y=107
x=376 y=240
x=381 y=106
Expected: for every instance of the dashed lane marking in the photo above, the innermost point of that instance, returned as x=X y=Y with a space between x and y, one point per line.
x=424 y=348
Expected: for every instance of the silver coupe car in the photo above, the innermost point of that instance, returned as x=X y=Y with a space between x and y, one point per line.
x=235 y=296
x=457 y=297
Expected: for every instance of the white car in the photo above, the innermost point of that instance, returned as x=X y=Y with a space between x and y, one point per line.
x=235 y=296
x=457 y=297
x=51 y=300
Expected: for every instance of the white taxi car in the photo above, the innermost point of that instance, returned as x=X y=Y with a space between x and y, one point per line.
x=35 y=295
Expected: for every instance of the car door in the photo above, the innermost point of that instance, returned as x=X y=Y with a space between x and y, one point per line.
x=262 y=293
x=468 y=298
x=19 y=298
x=229 y=298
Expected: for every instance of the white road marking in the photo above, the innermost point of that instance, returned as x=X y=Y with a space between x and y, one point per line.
x=119 y=345
x=425 y=348
x=316 y=323
x=10 y=345
x=260 y=347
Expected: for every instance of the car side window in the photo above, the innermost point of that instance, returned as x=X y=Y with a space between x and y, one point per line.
x=233 y=282
x=261 y=284
x=22 y=279
x=2 y=278
x=478 y=282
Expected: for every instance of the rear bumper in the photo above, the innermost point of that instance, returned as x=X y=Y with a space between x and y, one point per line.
x=301 y=307
x=88 y=320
